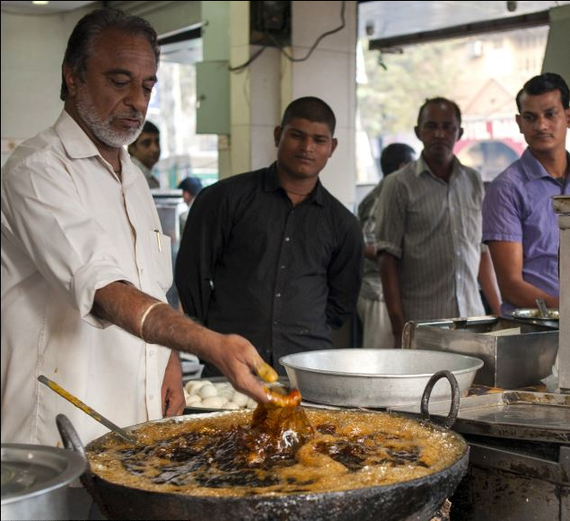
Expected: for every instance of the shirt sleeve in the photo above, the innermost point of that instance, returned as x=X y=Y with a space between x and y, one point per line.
x=390 y=214
x=44 y=215
x=502 y=213
x=345 y=275
x=201 y=244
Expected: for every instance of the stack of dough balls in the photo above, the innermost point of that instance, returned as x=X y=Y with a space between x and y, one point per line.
x=218 y=395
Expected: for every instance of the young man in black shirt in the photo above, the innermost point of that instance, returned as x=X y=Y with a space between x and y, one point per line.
x=271 y=254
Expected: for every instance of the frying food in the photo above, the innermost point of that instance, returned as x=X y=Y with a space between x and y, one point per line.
x=275 y=451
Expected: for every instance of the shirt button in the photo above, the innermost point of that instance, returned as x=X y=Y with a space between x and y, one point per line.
x=287 y=239
x=151 y=353
x=278 y=295
x=151 y=397
x=282 y=266
x=275 y=323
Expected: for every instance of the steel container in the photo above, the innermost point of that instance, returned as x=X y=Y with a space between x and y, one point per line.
x=517 y=353
x=375 y=377
x=35 y=479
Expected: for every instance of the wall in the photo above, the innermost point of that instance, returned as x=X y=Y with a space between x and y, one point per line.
x=556 y=58
x=32 y=49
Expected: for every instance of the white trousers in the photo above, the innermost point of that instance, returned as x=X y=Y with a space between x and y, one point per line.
x=376 y=326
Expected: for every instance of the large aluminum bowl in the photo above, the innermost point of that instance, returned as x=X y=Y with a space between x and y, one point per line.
x=376 y=377
x=35 y=481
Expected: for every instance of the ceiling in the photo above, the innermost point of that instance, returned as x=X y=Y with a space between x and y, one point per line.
x=380 y=20
x=50 y=8
x=377 y=19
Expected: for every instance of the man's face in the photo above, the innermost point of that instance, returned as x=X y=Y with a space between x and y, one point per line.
x=543 y=121
x=112 y=99
x=146 y=149
x=304 y=148
x=439 y=130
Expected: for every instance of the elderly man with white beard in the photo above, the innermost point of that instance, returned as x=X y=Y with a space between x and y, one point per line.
x=85 y=266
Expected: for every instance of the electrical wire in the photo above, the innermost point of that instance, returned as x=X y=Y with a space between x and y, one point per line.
x=317 y=41
x=282 y=48
x=248 y=62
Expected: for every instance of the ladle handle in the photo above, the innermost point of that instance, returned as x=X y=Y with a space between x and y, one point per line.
x=455 y=395
x=85 y=408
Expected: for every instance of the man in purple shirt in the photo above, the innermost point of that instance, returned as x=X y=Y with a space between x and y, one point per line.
x=519 y=223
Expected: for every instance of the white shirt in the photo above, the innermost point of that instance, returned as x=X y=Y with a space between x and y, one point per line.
x=69 y=227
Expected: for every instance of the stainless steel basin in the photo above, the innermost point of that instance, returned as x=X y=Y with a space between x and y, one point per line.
x=375 y=377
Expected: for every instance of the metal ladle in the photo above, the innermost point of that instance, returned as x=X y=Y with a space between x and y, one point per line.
x=86 y=409
x=542 y=308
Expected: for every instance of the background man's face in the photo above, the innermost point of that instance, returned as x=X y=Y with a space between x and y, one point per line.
x=146 y=149
x=439 y=130
x=543 y=121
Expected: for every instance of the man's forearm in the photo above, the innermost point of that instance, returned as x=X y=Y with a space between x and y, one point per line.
x=522 y=294
x=158 y=323
x=125 y=306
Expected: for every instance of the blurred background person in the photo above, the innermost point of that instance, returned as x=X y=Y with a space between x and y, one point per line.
x=190 y=187
x=145 y=152
x=429 y=229
x=376 y=326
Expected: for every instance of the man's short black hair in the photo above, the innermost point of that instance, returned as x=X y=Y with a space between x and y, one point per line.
x=91 y=26
x=190 y=184
x=312 y=109
x=547 y=82
x=439 y=99
x=150 y=128
x=394 y=155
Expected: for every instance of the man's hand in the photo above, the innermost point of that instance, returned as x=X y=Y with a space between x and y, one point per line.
x=173 y=401
x=239 y=361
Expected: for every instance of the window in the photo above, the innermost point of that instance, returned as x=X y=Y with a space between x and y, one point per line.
x=173 y=110
x=484 y=88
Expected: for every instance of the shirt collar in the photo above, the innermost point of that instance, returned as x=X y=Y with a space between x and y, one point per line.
x=78 y=145
x=144 y=169
x=271 y=184
x=533 y=168
x=422 y=166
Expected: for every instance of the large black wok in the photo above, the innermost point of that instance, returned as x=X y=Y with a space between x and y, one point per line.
x=416 y=499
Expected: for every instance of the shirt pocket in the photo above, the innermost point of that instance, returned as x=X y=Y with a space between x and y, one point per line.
x=160 y=259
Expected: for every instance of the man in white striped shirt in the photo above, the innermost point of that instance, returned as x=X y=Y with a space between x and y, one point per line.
x=429 y=229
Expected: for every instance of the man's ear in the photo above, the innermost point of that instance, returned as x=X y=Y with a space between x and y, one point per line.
x=70 y=79
x=519 y=121
x=334 y=144
x=459 y=133
x=277 y=135
x=417 y=132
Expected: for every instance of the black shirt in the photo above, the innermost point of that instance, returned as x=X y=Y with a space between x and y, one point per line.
x=251 y=263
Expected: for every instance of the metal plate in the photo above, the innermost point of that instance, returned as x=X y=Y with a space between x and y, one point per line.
x=534 y=314
x=510 y=414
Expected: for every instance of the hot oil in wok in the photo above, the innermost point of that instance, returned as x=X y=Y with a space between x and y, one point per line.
x=277 y=451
